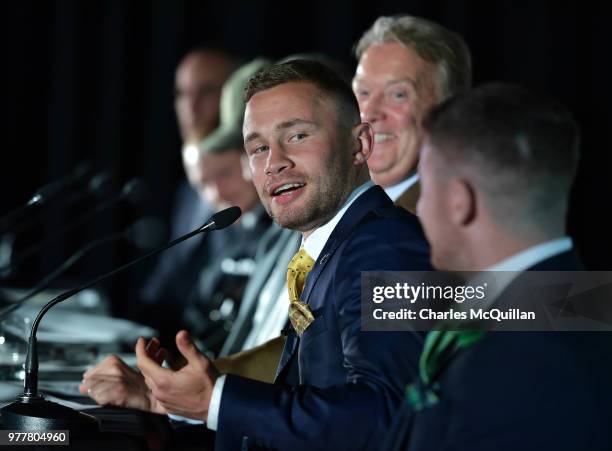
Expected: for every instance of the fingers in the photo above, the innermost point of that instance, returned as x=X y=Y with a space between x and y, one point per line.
x=152 y=346
x=111 y=365
x=196 y=361
x=186 y=346
x=114 y=366
x=83 y=388
x=160 y=356
x=149 y=367
x=155 y=351
x=125 y=391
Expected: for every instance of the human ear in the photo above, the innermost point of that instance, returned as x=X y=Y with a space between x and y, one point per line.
x=462 y=202
x=363 y=139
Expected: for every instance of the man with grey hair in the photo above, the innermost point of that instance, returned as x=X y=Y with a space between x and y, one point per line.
x=406 y=66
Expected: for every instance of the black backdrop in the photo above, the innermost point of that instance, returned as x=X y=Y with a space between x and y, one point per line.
x=92 y=80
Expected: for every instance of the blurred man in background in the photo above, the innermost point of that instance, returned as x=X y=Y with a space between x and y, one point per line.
x=218 y=167
x=198 y=84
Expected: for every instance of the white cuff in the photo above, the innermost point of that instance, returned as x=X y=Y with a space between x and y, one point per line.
x=215 y=403
x=174 y=417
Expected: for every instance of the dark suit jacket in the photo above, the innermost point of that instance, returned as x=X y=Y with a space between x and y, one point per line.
x=337 y=386
x=519 y=391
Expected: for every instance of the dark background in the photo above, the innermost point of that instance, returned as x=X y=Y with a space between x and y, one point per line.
x=93 y=81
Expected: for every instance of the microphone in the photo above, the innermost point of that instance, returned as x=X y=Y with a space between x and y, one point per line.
x=144 y=234
x=133 y=191
x=31 y=411
x=99 y=186
x=44 y=194
x=52 y=189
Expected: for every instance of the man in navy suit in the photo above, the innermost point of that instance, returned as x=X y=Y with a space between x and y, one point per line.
x=337 y=386
x=496 y=171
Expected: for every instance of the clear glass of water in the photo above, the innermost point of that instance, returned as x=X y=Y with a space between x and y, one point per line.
x=14 y=333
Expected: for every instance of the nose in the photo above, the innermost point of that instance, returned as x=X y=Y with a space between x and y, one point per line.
x=372 y=109
x=277 y=161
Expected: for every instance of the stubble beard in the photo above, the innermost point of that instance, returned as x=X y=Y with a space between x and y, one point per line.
x=317 y=207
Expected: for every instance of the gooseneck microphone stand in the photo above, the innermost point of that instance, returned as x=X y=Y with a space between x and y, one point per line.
x=30 y=411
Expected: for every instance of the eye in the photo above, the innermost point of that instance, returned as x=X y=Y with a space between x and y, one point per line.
x=399 y=94
x=298 y=137
x=361 y=93
x=258 y=149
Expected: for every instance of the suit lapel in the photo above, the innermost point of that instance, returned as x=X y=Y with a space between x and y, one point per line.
x=373 y=198
x=364 y=205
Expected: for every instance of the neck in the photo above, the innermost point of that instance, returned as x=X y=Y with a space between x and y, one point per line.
x=361 y=178
x=307 y=234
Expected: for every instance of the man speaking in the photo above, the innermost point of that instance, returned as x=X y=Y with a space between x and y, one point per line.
x=336 y=386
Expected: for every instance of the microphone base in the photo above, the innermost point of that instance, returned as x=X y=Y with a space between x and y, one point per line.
x=34 y=413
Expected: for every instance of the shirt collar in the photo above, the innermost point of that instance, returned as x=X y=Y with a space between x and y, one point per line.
x=533 y=255
x=395 y=191
x=509 y=268
x=315 y=242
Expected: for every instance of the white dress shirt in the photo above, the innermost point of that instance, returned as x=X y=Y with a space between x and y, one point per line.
x=270 y=314
x=395 y=191
x=533 y=255
x=314 y=244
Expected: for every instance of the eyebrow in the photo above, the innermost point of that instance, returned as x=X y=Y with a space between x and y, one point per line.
x=390 y=82
x=288 y=124
x=280 y=127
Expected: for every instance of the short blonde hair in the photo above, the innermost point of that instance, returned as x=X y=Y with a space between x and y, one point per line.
x=432 y=42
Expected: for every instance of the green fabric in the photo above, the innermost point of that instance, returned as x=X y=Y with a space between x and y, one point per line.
x=439 y=346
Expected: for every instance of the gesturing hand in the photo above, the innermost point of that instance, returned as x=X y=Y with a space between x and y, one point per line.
x=185 y=392
x=113 y=382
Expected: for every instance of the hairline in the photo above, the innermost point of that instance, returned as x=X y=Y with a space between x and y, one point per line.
x=340 y=105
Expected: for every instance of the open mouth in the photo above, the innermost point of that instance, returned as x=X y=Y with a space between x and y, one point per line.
x=287 y=192
x=286 y=189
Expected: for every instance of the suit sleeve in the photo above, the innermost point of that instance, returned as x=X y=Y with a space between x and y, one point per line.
x=355 y=414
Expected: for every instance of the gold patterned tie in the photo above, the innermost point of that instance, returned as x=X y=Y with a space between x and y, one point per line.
x=299 y=312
